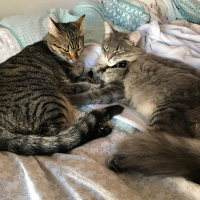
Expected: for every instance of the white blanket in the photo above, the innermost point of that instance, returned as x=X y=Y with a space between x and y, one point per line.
x=171 y=41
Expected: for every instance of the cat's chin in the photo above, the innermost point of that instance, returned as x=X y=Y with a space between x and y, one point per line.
x=71 y=61
x=112 y=63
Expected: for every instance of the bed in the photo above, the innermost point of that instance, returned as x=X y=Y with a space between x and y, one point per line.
x=82 y=174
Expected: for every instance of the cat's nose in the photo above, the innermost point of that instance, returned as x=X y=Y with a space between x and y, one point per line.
x=73 y=57
x=109 y=58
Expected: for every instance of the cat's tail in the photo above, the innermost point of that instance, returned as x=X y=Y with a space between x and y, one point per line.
x=84 y=129
x=157 y=153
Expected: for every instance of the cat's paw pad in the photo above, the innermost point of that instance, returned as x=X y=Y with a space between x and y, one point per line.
x=102 y=130
x=114 y=163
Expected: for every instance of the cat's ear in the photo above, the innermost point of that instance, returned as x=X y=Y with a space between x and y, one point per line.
x=134 y=37
x=53 y=30
x=108 y=30
x=80 y=21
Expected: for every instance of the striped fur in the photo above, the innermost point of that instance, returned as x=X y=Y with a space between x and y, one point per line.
x=83 y=130
x=36 y=116
x=167 y=93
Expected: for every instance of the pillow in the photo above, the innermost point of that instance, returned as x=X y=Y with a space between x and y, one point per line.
x=32 y=27
x=190 y=10
x=124 y=14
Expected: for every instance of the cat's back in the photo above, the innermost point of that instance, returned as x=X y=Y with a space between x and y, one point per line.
x=30 y=76
x=30 y=88
x=152 y=80
x=33 y=66
x=36 y=57
x=153 y=70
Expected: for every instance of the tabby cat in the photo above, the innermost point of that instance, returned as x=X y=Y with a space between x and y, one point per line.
x=166 y=92
x=36 y=117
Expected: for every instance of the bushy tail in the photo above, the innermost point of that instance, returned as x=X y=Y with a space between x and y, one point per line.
x=157 y=153
x=85 y=129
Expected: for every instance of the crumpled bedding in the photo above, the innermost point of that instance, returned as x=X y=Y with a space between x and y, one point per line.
x=82 y=174
x=171 y=41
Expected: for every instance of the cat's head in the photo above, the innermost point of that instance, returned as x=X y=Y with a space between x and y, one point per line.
x=118 y=46
x=66 y=40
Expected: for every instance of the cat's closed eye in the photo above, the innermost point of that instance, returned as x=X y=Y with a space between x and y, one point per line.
x=65 y=50
x=55 y=45
x=118 y=50
x=105 y=47
x=80 y=49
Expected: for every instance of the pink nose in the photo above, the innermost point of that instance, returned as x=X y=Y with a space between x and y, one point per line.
x=73 y=57
x=109 y=58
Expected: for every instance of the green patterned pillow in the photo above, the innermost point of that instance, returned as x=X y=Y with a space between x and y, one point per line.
x=124 y=14
x=189 y=9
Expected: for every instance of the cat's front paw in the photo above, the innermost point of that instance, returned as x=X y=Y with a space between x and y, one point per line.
x=106 y=113
x=75 y=100
x=101 y=130
x=114 y=110
x=73 y=90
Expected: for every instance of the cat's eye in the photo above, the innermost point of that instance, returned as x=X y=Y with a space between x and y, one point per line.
x=118 y=51
x=65 y=50
x=55 y=45
x=106 y=47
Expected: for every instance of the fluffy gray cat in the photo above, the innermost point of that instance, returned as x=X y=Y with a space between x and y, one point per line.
x=166 y=92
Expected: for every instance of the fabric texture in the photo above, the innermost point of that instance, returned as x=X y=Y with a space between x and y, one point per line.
x=185 y=23
x=28 y=28
x=173 y=12
x=8 y=45
x=156 y=10
x=190 y=10
x=171 y=41
x=124 y=14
